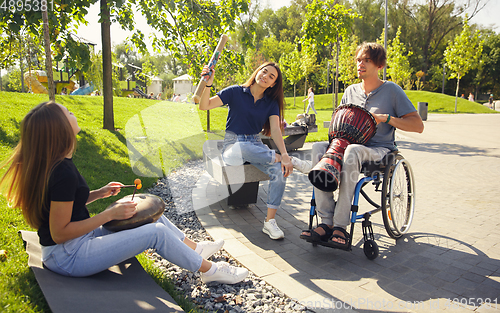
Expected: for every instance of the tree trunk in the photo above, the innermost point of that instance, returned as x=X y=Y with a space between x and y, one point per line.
x=48 y=56
x=107 y=75
x=337 y=74
x=456 y=93
x=294 y=88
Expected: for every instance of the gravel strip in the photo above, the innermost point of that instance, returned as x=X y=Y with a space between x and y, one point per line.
x=251 y=295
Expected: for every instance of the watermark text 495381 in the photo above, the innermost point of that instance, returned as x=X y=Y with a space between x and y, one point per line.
x=23 y=6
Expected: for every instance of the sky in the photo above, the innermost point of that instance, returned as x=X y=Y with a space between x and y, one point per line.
x=92 y=32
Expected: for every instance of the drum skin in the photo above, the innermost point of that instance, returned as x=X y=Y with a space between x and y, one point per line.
x=149 y=209
x=350 y=124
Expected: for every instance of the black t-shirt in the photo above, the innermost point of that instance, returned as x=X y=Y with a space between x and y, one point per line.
x=65 y=185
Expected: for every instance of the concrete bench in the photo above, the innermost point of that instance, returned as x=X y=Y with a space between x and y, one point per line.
x=295 y=137
x=124 y=288
x=242 y=181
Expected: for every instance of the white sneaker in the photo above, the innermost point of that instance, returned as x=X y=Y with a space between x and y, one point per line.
x=301 y=165
x=210 y=247
x=226 y=274
x=271 y=228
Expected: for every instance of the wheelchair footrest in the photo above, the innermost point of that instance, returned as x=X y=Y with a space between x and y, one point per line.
x=330 y=244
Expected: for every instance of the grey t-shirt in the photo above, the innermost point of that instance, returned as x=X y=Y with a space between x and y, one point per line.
x=389 y=98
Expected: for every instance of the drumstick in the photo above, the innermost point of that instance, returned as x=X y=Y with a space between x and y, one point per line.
x=138 y=185
x=211 y=65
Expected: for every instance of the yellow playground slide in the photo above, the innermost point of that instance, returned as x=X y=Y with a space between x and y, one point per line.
x=32 y=81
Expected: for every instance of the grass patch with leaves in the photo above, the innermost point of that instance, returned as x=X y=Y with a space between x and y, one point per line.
x=101 y=156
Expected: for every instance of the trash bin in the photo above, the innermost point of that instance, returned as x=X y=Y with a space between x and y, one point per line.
x=422 y=110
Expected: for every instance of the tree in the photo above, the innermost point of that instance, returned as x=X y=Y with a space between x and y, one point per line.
x=291 y=66
x=398 y=66
x=428 y=25
x=48 y=56
x=177 y=20
x=371 y=20
x=326 y=21
x=308 y=64
x=463 y=54
x=489 y=78
x=347 y=61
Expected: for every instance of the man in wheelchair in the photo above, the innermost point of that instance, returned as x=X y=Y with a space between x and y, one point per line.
x=391 y=109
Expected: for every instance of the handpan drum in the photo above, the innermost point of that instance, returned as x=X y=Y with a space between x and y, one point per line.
x=149 y=209
x=350 y=124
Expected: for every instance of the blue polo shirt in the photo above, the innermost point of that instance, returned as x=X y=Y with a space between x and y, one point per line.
x=245 y=117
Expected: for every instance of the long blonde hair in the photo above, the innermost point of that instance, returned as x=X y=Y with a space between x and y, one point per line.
x=46 y=139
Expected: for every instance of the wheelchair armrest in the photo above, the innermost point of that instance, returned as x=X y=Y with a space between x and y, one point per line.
x=371 y=168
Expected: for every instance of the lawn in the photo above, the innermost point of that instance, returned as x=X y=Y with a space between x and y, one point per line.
x=143 y=127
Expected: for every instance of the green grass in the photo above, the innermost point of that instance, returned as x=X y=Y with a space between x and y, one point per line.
x=101 y=156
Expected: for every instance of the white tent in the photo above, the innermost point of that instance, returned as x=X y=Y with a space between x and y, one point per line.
x=183 y=85
x=155 y=86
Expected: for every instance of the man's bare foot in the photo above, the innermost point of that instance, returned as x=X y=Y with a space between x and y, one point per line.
x=318 y=230
x=341 y=239
x=322 y=233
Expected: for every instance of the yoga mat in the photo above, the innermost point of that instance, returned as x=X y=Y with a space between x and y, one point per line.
x=125 y=287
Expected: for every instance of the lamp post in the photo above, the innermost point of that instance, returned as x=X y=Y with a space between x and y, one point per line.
x=444 y=75
x=385 y=38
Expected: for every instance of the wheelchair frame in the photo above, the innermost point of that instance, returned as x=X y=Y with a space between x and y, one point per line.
x=397 y=222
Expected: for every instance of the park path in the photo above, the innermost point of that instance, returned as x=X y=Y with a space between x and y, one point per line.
x=452 y=250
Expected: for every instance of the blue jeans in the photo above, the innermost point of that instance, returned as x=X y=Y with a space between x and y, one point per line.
x=239 y=149
x=100 y=249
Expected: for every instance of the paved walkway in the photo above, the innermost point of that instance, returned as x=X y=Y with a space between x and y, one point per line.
x=451 y=252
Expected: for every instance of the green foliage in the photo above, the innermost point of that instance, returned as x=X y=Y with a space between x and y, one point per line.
x=272 y=49
x=308 y=61
x=326 y=21
x=177 y=20
x=291 y=67
x=348 y=73
x=490 y=77
x=14 y=80
x=463 y=54
x=62 y=20
x=398 y=66
x=95 y=72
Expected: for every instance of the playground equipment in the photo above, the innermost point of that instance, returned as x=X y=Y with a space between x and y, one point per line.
x=32 y=80
x=84 y=90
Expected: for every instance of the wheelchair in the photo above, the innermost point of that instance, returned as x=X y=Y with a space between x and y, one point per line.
x=393 y=178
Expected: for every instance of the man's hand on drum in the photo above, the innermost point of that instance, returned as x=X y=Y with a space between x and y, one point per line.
x=379 y=118
x=111 y=189
x=205 y=71
x=121 y=210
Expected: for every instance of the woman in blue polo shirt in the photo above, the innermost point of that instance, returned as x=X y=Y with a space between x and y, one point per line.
x=257 y=105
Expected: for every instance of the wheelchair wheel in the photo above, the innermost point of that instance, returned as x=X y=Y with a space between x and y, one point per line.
x=398 y=197
x=370 y=248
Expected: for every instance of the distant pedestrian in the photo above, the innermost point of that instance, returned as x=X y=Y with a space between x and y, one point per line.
x=491 y=101
x=310 y=97
x=471 y=97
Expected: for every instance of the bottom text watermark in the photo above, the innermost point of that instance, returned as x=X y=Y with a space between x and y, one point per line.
x=431 y=304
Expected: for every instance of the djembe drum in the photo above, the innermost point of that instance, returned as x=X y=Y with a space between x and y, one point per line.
x=149 y=209
x=350 y=124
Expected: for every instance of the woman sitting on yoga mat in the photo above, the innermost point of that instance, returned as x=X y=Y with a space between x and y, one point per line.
x=45 y=184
